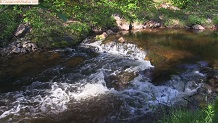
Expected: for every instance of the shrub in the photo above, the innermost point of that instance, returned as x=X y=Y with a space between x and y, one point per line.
x=9 y=21
x=79 y=29
x=180 y=3
x=215 y=20
x=193 y=19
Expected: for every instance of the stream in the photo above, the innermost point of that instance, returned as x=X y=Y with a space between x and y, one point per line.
x=108 y=81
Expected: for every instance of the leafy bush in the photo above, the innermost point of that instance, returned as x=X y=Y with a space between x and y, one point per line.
x=215 y=20
x=9 y=21
x=79 y=29
x=193 y=19
x=47 y=29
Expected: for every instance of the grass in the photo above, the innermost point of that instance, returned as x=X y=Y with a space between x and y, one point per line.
x=47 y=20
x=201 y=12
x=205 y=115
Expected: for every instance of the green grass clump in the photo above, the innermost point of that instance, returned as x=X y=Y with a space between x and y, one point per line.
x=185 y=116
x=194 y=19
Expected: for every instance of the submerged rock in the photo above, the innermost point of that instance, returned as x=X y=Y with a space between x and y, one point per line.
x=120 y=81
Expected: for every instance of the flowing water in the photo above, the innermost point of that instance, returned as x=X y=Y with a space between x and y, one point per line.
x=107 y=81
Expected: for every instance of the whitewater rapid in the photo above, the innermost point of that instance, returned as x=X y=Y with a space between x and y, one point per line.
x=87 y=81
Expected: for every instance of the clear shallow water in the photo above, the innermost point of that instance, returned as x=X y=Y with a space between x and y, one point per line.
x=185 y=43
x=109 y=86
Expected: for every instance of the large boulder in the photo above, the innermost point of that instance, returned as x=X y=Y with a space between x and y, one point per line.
x=197 y=27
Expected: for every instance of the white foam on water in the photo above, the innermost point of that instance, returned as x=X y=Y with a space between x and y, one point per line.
x=126 y=49
x=11 y=111
x=141 y=95
x=55 y=101
x=197 y=72
x=113 y=58
x=90 y=90
x=144 y=94
x=59 y=97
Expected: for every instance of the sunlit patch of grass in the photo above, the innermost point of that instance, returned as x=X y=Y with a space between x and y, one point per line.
x=174 y=22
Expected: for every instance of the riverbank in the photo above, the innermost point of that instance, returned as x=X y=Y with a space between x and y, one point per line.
x=67 y=24
x=27 y=31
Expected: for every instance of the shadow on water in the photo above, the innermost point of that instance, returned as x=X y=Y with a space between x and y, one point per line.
x=21 y=70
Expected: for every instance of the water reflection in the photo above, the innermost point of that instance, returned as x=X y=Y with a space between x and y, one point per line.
x=182 y=42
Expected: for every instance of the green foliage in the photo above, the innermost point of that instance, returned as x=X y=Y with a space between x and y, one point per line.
x=79 y=29
x=9 y=21
x=57 y=7
x=60 y=44
x=184 y=116
x=215 y=118
x=32 y=16
x=181 y=3
x=215 y=20
x=53 y=5
x=47 y=19
x=47 y=29
x=205 y=8
x=209 y=111
x=194 y=19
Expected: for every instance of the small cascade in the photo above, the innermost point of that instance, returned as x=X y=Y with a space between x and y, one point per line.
x=115 y=62
x=129 y=50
